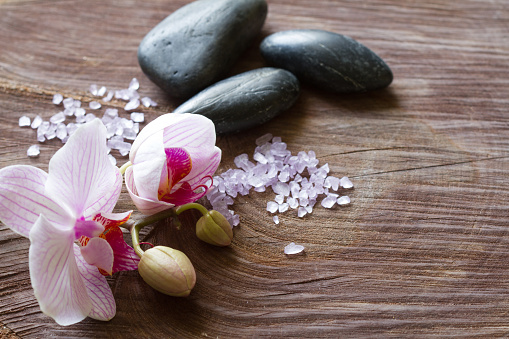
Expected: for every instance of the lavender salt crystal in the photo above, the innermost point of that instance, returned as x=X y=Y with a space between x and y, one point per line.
x=102 y=91
x=132 y=104
x=134 y=84
x=36 y=122
x=57 y=118
x=275 y=219
x=137 y=117
x=293 y=249
x=68 y=102
x=109 y=96
x=344 y=200
x=93 y=89
x=345 y=183
x=33 y=151
x=94 y=105
x=24 y=121
x=57 y=98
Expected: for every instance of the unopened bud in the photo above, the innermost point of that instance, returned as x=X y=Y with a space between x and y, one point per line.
x=168 y=271
x=213 y=228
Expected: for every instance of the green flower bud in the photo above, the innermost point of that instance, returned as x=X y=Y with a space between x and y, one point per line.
x=213 y=228
x=168 y=271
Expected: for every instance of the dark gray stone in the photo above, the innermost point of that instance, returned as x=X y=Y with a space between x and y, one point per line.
x=197 y=44
x=327 y=60
x=245 y=100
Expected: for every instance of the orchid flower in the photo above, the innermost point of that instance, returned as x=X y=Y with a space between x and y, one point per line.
x=74 y=236
x=172 y=160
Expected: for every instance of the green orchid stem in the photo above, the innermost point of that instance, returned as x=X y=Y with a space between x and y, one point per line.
x=125 y=167
x=173 y=212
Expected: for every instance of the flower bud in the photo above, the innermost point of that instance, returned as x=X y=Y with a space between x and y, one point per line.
x=168 y=271
x=213 y=228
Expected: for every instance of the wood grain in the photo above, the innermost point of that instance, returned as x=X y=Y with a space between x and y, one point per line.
x=423 y=250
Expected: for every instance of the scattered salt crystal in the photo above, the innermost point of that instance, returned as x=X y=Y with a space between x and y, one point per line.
x=147 y=102
x=292 y=202
x=102 y=91
x=301 y=212
x=328 y=202
x=132 y=104
x=61 y=132
x=272 y=206
x=345 y=182
x=137 y=117
x=89 y=117
x=70 y=111
x=33 y=151
x=275 y=219
x=279 y=198
x=134 y=84
x=332 y=182
x=51 y=133
x=36 y=122
x=344 y=200
x=129 y=134
x=281 y=188
x=76 y=104
x=94 y=105
x=93 y=89
x=79 y=112
x=111 y=112
x=71 y=128
x=109 y=96
x=263 y=139
x=283 y=207
x=68 y=102
x=57 y=118
x=24 y=121
x=57 y=98
x=292 y=249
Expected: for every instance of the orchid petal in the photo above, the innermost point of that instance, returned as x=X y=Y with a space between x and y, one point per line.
x=145 y=206
x=183 y=195
x=156 y=127
x=88 y=228
x=192 y=131
x=22 y=199
x=204 y=165
x=125 y=258
x=55 y=277
x=178 y=165
x=107 y=202
x=80 y=173
x=149 y=165
x=99 y=253
x=98 y=289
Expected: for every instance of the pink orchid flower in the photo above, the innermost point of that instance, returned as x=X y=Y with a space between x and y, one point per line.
x=74 y=237
x=172 y=159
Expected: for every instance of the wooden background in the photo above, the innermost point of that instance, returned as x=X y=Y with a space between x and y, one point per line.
x=423 y=249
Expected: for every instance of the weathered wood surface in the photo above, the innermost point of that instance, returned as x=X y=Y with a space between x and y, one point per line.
x=423 y=250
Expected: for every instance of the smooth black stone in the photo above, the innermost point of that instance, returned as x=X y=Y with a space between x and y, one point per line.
x=197 y=44
x=327 y=60
x=245 y=100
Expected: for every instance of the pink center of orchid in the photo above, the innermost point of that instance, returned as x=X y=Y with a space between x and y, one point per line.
x=87 y=228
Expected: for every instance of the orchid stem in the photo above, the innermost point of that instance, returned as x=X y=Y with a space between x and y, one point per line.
x=172 y=212
x=125 y=167
x=186 y=207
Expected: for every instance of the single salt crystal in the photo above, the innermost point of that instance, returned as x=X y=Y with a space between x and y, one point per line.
x=137 y=117
x=147 y=102
x=263 y=139
x=328 y=202
x=133 y=104
x=292 y=249
x=260 y=158
x=134 y=84
x=76 y=103
x=102 y=91
x=93 y=89
x=71 y=128
x=51 y=132
x=345 y=182
x=61 y=131
x=89 y=117
x=344 y=200
x=94 y=105
x=36 y=122
x=283 y=207
x=331 y=182
x=129 y=133
x=279 y=198
x=68 y=102
x=292 y=202
x=281 y=188
x=33 y=151
x=70 y=111
x=301 y=212
x=24 y=121
x=275 y=219
x=57 y=118
x=111 y=112
x=112 y=159
x=122 y=95
x=235 y=220
x=272 y=206
x=57 y=98
x=126 y=123
x=79 y=112
x=109 y=96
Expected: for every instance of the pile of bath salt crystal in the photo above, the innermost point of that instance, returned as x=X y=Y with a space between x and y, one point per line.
x=276 y=167
x=120 y=130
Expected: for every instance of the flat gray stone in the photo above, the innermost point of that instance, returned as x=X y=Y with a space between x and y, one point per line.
x=245 y=100
x=327 y=60
x=197 y=44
